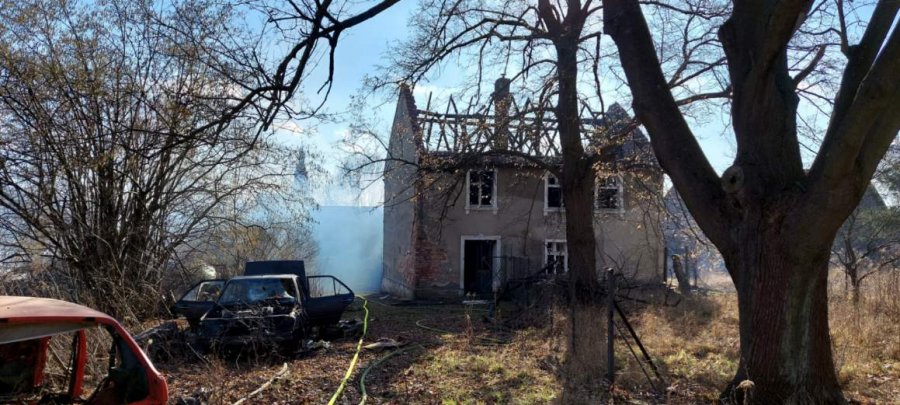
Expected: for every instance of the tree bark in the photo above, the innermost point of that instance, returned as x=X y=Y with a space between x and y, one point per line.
x=584 y=364
x=784 y=335
x=683 y=284
x=855 y=284
x=584 y=360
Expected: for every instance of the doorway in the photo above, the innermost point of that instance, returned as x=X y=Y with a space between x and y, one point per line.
x=478 y=257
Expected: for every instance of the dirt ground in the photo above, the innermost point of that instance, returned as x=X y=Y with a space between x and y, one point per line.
x=450 y=355
x=444 y=348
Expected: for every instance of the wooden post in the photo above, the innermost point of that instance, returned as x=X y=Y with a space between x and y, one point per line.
x=610 y=326
x=665 y=275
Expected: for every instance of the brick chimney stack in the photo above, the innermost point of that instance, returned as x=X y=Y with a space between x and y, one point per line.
x=502 y=100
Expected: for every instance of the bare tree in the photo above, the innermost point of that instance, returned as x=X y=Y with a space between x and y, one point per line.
x=160 y=112
x=686 y=239
x=115 y=152
x=229 y=246
x=773 y=221
x=868 y=242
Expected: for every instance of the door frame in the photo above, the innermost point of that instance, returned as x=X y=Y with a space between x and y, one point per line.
x=495 y=263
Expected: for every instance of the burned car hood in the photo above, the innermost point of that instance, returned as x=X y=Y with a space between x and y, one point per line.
x=241 y=324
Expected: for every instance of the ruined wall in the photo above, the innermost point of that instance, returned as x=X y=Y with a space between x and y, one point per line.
x=399 y=260
x=630 y=241
x=633 y=242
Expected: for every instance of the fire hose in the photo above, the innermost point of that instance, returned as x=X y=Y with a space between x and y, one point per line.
x=362 y=378
x=377 y=363
x=444 y=331
x=340 y=390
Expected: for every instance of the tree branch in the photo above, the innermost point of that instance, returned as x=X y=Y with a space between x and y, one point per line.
x=675 y=146
x=861 y=129
x=860 y=57
x=811 y=66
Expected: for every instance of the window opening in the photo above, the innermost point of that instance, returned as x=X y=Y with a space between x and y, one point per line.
x=554 y=195
x=556 y=257
x=609 y=193
x=481 y=188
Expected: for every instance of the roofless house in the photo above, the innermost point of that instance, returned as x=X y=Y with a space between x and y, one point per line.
x=471 y=201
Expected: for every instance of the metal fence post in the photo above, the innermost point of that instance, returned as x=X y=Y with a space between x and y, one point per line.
x=610 y=326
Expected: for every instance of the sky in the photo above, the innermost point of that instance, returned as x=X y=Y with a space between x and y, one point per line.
x=359 y=53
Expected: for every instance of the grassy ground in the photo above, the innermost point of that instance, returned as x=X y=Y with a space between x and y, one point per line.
x=464 y=362
x=695 y=344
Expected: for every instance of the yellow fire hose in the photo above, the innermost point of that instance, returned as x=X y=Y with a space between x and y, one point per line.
x=340 y=390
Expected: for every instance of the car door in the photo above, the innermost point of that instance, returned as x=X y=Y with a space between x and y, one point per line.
x=328 y=298
x=198 y=300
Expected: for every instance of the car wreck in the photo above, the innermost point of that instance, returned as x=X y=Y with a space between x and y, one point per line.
x=57 y=352
x=273 y=304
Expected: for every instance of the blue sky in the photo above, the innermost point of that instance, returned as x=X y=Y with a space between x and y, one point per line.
x=360 y=52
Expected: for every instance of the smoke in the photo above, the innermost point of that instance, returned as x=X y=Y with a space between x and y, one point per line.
x=350 y=245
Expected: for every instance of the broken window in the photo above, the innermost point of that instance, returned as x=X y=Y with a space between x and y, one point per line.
x=481 y=188
x=609 y=193
x=252 y=291
x=554 y=196
x=556 y=257
x=204 y=291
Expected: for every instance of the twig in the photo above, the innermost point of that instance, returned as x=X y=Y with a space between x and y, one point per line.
x=199 y=356
x=261 y=388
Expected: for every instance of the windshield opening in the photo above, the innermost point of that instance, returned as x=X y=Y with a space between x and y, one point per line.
x=255 y=291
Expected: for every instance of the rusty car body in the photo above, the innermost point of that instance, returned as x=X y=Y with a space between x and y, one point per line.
x=37 y=333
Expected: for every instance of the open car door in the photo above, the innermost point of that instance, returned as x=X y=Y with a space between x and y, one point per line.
x=328 y=298
x=198 y=300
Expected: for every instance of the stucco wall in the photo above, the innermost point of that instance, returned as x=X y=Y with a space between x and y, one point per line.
x=629 y=241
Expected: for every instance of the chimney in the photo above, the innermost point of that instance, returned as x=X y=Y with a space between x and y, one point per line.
x=502 y=100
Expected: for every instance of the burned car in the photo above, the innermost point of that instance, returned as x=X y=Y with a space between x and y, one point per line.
x=273 y=303
x=56 y=352
x=198 y=301
x=255 y=309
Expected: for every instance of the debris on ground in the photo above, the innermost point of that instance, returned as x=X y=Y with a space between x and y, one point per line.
x=317 y=344
x=280 y=374
x=386 y=343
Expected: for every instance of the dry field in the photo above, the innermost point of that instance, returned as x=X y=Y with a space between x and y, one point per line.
x=451 y=356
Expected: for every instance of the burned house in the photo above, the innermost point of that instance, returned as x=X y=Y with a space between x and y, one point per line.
x=470 y=204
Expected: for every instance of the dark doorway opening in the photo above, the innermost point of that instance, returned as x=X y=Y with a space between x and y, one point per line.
x=478 y=266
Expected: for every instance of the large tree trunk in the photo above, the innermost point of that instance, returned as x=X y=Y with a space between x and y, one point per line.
x=678 y=268
x=773 y=220
x=783 y=304
x=585 y=364
x=584 y=361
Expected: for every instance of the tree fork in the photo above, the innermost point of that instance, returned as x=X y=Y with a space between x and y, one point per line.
x=773 y=223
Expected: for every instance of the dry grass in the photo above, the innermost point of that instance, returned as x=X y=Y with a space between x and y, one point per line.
x=867 y=338
x=695 y=344
x=465 y=365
